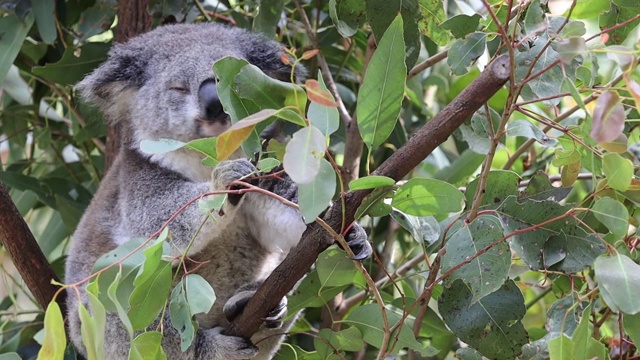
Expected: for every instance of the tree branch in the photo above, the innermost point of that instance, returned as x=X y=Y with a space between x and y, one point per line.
x=315 y=239
x=27 y=256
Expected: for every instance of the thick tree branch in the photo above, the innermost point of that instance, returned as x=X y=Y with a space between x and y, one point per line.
x=27 y=256
x=315 y=239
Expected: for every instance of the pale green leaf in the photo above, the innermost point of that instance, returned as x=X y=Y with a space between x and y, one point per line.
x=424 y=197
x=315 y=197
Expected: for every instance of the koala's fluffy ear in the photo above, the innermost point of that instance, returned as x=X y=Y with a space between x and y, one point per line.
x=110 y=86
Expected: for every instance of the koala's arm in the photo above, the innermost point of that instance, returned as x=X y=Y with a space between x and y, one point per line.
x=149 y=195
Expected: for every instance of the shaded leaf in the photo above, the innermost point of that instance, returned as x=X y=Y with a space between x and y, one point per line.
x=465 y=51
x=491 y=325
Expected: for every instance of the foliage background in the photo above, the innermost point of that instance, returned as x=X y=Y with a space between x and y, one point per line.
x=541 y=261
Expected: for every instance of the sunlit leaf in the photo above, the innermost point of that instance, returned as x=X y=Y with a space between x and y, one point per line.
x=380 y=96
x=55 y=340
x=424 y=197
x=619 y=171
x=147 y=346
x=303 y=154
x=371 y=182
x=315 y=197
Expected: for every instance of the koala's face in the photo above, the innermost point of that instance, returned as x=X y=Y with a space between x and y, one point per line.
x=162 y=83
x=180 y=102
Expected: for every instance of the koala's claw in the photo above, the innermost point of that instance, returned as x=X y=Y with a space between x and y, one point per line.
x=229 y=171
x=358 y=243
x=237 y=302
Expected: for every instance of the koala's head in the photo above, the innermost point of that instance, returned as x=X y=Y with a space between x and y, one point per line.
x=161 y=84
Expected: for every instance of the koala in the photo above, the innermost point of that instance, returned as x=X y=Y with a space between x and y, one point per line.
x=161 y=85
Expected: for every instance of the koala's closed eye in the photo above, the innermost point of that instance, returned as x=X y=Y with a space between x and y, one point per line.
x=180 y=88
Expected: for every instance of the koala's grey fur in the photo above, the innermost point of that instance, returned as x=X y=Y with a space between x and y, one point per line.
x=151 y=86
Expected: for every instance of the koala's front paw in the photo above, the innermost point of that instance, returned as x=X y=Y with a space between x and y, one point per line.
x=229 y=171
x=229 y=347
x=358 y=242
x=237 y=302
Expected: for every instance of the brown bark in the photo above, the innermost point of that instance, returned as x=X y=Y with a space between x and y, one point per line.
x=133 y=20
x=315 y=239
x=28 y=258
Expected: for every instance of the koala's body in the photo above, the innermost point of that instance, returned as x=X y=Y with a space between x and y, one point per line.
x=161 y=85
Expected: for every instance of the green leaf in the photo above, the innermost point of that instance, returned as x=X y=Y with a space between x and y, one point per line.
x=147 y=346
x=46 y=20
x=267 y=92
x=13 y=32
x=380 y=96
x=619 y=276
x=55 y=339
x=312 y=293
x=93 y=326
x=632 y=327
x=120 y=307
x=269 y=14
x=613 y=215
x=465 y=51
x=561 y=348
x=329 y=341
x=461 y=25
x=425 y=197
x=303 y=154
x=433 y=15
x=423 y=229
x=487 y=272
x=618 y=170
x=346 y=15
x=500 y=184
x=608 y=117
x=226 y=71
x=199 y=294
x=334 y=268
x=526 y=129
x=371 y=182
x=561 y=245
x=150 y=296
x=323 y=117
x=315 y=197
x=572 y=250
x=492 y=324
x=74 y=64
x=267 y=164
x=129 y=264
x=181 y=316
x=581 y=336
x=368 y=319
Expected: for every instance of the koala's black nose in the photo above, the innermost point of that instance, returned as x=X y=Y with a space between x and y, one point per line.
x=211 y=105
